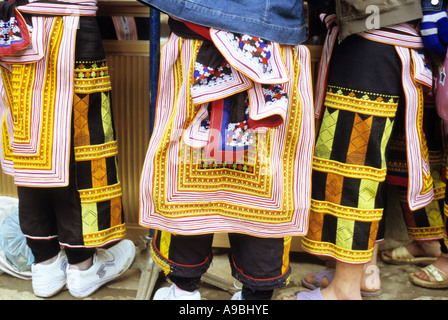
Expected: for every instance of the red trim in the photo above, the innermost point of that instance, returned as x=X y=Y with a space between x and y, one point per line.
x=255 y=279
x=26 y=38
x=398 y=181
x=212 y=149
x=203 y=31
x=269 y=122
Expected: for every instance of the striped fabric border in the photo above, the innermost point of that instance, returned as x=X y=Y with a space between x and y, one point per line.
x=64 y=8
x=43 y=160
x=177 y=202
x=408 y=38
x=421 y=190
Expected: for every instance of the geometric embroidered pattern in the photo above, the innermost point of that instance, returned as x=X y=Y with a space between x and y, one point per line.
x=425 y=223
x=353 y=171
x=357 y=150
x=188 y=190
x=95 y=154
x=326 y=135
x=106 y=117
x=32 y=97
x=80 y=113
x=361 y=102
x=367 y=194
x=344 y=218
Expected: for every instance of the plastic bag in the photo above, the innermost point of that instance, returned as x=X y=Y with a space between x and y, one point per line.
x=15 y=255
x=13 y=243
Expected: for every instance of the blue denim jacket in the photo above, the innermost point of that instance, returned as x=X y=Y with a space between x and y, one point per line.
x=281 y=21
x=429 y=6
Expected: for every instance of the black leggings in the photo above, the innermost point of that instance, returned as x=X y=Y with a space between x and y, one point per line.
x=50 y=217
x=46 y=249
x=260 y=264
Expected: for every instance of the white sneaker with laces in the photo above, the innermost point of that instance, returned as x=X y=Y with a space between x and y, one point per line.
x=172 y=293
x=49 y=279
x=108 y=264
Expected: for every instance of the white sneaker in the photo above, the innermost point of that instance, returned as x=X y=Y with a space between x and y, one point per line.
x=169 y=293
x=49 y=279
x=108 y=264
x=237 y=296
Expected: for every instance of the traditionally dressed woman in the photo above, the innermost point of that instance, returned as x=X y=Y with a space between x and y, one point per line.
x=58 y=143
x=232 y=143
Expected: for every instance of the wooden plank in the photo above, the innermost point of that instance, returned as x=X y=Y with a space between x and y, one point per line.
x=122 y=8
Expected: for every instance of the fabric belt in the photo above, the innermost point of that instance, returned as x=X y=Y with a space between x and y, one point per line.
x=62 y=8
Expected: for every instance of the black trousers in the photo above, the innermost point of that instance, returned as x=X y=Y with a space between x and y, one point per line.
x=51 y=217
x=260 y=264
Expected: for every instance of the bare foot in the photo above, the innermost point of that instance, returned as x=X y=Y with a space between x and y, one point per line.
x=370 y=281
x=310 y=279
x=345 y=284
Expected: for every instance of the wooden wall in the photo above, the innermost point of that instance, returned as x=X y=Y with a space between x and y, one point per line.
x=130 y=97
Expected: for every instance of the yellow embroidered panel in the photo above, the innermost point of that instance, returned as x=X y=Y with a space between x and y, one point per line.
x=345 y=232
x=89 y=218
x=92 y=152
x=116 y=209
x=96 y=153
x=101 y=237
x=286 y=250
x=368 y=190
x=99 y=173
x=434 y=215
x=100 y=194
x=361 y=102
x=344 y=212
x=426 y=175
x=189 y=170
x=325 y=139
x=359 y=141
x=159 y=261
x=92 y=77
x=80 y=114
x=333 y=188
x=386 y=138
x=107 y=117
x=352 y=171
x=20 y=90
x=330 y=249
x=165 y=242
x=21 y=93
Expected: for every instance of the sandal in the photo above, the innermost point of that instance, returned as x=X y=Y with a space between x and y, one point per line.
x=310 y=295
x=329 y=274
x=317 y=280
x=401 y=255
x=437 y=278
